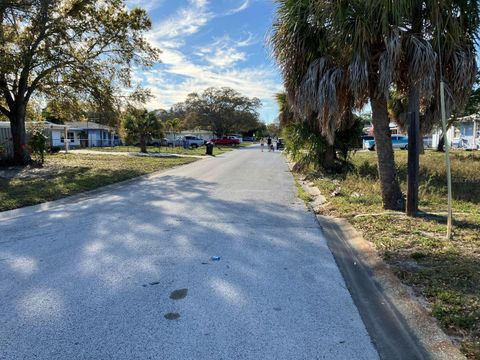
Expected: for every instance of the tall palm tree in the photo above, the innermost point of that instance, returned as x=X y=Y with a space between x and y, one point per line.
x=335 y=56
x=174 y=125
x=329 y=54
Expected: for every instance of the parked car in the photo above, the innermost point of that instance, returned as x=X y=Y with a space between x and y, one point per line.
x=175 y=142
x=226 y=140
x=158 y=142
x=398 y=142
x=365 y=139
x=239 y=137
x=427 y=142
x=193 y=141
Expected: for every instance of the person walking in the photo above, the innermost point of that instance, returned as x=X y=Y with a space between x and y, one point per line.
x=269 y=144
x=262 y=143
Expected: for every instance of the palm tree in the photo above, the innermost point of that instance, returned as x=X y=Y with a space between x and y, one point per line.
x=142 y=126
x=335 y=56
x=174 y=124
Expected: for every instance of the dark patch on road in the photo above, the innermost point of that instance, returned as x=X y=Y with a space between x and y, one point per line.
x=172 y=316
x=154 y=283
x=277 y=308
x=178 y=294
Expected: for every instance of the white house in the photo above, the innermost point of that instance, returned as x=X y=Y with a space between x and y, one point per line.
x=465 y=133
x=85 y=134
x=78 y=134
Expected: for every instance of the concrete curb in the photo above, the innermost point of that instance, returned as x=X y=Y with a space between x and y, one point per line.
x=400 y=327
x=423 y=328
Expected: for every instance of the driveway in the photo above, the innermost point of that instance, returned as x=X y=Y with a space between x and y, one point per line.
x=127 y=272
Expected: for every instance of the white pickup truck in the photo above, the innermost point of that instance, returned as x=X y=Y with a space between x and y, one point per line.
x=193 y=141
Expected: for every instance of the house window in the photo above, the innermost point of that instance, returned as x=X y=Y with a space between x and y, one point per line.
x=70 y=137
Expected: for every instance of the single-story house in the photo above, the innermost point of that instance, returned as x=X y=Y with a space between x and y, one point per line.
x=79 y=134
x=465 y=133
x=85 y=134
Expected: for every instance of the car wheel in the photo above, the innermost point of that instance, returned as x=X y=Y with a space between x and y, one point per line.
x=406 y=147
x=372 y=148
x=194 y=146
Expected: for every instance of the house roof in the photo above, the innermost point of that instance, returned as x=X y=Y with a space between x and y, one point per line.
x=86 y=125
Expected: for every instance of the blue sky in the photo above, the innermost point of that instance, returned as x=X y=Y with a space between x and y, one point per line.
x=211 y=43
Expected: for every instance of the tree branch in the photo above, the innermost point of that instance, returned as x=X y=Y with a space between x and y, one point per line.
x=4 y=111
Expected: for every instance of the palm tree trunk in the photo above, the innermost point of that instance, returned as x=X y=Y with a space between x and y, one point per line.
x=391 y=194
x=328 y=160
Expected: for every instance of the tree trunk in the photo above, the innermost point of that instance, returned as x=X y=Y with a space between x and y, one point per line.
x=441 y=144
x=143 y=145
x=328 y=161
x=391 y=193
x=413 y=151
x=21 y=155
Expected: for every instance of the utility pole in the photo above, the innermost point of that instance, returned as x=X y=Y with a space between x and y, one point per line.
x=414 y=127
x=413 y=153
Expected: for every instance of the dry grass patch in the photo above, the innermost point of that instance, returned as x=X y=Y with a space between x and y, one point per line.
x=445 y=272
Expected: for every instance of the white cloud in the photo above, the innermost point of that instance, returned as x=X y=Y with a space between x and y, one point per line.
x=211 y=65
x=241 y=8
x=187 y=21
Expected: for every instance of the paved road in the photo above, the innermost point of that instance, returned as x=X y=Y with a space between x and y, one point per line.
x=126 y=273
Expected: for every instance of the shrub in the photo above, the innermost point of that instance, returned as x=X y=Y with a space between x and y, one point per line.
x=38 y=145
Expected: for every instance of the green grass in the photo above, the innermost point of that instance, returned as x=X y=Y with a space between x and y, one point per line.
x=70 y=174
x=217 y=150
x=445 y=272
x=302 y=194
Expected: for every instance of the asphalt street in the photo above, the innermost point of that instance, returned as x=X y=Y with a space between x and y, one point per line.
x=127 y=272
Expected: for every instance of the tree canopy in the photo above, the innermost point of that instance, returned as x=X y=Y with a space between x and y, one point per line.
x=60 y=49
x=222 y=110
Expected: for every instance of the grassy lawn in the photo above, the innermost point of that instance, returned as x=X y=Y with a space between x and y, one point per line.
x=445 y=272
x=217 y=150
x=64 y=175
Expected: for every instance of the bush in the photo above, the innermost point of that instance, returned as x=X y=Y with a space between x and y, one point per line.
x=55 y=149
x=310 y=149
x=38 y=145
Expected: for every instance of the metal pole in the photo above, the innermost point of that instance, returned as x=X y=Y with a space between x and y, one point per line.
x=447 y=159
x=65 y=139
x=445 y=137
x=413 y=153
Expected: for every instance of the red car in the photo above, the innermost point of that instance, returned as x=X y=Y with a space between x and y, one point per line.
x=227 y=140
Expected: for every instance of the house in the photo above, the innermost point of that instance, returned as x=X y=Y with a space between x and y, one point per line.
x=465 y=133
x=85 y=134
x=79 y=134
